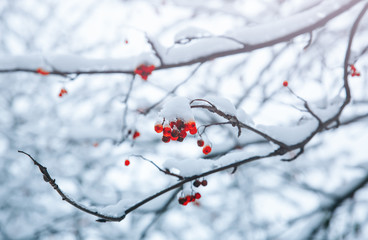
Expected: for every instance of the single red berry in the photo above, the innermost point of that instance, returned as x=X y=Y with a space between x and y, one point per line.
x=159 y=128
x=172 y=124
x=207 y=149
x=200 y=143
x=196 y=183
x=174 y=138
x=185 y=203
x=186 y=127
x=197 y=195
x=204 y=182
x=191 y=125
x=179 y=124
x=285 y=83
x=193 y=131
x=175 y=133
x=95 y=144
x=180 y=139
x=127 y=162
x=167 y=131
x=188 y=198
x=182 y=134
x=181 y=200
x=192 y=198
x=126 y=41
x=136 y=134
x=166 y=139
x=357 y=74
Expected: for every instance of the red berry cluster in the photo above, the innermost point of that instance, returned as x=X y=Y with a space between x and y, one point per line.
x=198 y=183
x=189 y=198
x=207 y=149
x=176 y=130
x=42 y=72
x=354 y=71
x=62 y=92
x=144 y=71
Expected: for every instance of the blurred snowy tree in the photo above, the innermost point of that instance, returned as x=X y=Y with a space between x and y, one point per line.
x=263 y=104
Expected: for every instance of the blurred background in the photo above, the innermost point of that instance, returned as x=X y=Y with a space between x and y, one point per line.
x=82 y=137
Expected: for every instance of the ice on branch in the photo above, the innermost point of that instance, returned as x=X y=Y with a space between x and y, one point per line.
x=190 y=33
x=189 y=167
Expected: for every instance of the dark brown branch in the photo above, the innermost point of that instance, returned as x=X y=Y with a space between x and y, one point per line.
x=52 y=182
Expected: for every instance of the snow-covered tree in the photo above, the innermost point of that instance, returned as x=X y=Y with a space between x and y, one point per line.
x=223 y=119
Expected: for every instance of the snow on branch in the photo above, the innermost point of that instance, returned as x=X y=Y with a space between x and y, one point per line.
x=195 y=50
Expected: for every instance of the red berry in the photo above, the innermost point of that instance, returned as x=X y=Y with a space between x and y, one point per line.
x=175 y=133
x=62 y=92
x=172 y=124
x=174 y=138
x=180 y=139
x=181 y=200
x=42 y=72
x=207 y=149
x=126 y=41
x=167 y=131
x=200 y=143
x=196 y=183
x=166 y=139
x=144 y=71
x=188 y=198
x=136 y=134
x=357 y=74
x=179 y=124
x=185 y=203
x=182 y=134
x=204 y=182
x=159 y=128
x=197 y=195
x=191 y=125
x=193 y=131
x=127 y=162
x=285 y=83
x=186 y=127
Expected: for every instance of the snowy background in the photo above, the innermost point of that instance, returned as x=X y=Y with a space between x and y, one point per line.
x=236 y=54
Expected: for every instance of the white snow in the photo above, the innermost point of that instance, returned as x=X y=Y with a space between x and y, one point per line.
x=115 y=210
x=177 y=107
x=74 y=63
x=290 y=135
x=279 y=28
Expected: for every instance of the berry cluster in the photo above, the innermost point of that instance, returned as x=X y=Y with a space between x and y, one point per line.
x=176 y=130
x=144 y=71
x=354 y=71
x=198 y=183
x=42 y=72
x=62 y=92
x=189 y=198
